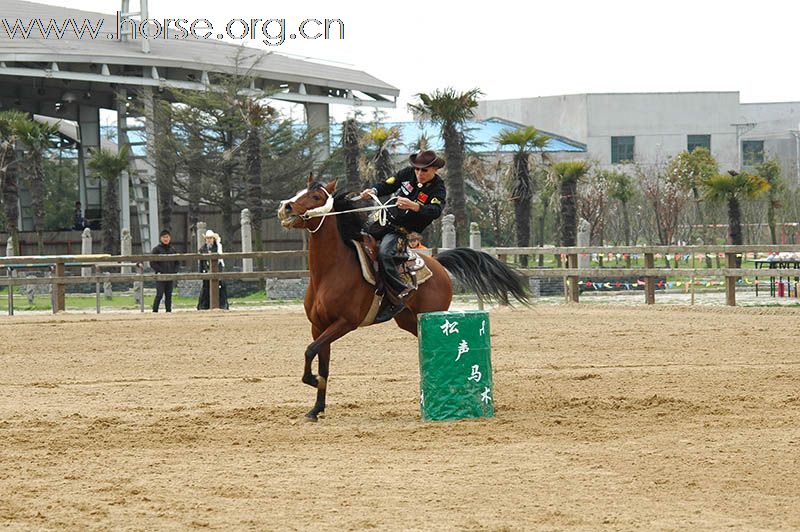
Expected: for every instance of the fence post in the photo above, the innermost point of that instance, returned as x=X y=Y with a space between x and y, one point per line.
x=213 y=286
x=574 y=292
x=247 y=240
x=475 y=243
x=583 y=239
x=10 y=247
x=126 y=245
x=10 y=293
x=97 y=288
x=86 y=249
x=730 y=281
x=58 y=289
x=140 y=288
x=448 y=231
x=649 y=281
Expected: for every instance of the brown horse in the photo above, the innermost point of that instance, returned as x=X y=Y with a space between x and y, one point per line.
x=338 y=298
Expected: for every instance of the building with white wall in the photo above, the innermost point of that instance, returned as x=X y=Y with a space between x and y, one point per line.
x=651 y=127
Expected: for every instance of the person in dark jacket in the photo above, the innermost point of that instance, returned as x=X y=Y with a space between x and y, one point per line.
x=421 y=195
x=164 y=288
x=213 y=245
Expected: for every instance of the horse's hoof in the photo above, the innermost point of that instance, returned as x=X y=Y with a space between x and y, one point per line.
x=311 y=380
x=311 y=416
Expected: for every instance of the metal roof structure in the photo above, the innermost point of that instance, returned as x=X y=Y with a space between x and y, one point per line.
x=99 y=57
x=482 y=136
x=67 y=64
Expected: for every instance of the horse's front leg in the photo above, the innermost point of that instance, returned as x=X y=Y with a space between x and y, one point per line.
x=322 y=346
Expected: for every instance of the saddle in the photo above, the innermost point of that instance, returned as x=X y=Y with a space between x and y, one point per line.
x=413 y=271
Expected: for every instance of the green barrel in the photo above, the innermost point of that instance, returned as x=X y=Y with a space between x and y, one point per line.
x=455 y=365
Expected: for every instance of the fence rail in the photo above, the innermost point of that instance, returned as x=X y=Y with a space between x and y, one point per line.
x=59 y=264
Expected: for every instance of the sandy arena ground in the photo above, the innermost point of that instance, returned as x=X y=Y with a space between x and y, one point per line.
x=607 y=417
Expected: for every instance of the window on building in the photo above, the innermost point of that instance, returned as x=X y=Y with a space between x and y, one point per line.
x=698 y=141
x=752 y=152
x=621 y=149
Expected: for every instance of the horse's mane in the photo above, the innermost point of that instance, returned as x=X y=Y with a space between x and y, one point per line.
x=353 y=223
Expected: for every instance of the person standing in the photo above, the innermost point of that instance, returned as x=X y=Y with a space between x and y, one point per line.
x=213 y=244
x=164 y=288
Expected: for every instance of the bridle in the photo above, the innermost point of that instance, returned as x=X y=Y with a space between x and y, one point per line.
x=326 y=210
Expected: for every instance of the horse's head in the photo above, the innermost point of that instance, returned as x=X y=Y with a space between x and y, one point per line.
x=315 y=200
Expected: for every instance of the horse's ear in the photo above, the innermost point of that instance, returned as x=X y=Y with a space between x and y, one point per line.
x=310 y=178
x=330 y=187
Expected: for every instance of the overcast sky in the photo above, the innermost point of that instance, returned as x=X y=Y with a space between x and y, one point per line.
x=516 y=49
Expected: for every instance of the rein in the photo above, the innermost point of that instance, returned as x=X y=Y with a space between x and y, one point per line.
x=325 y=210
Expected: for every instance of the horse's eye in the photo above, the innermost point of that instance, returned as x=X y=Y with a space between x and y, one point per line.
x=316 y=197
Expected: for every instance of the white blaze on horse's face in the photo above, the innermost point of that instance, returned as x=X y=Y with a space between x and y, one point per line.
x=290 y=219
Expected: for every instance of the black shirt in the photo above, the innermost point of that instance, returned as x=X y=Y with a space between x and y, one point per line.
x=164 y=266
x=429 y=196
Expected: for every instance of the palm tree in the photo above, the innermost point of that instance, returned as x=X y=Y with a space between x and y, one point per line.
x=451 y=109
x=771 y=172
x=109 y=167
x=351 y=134
x=37 y=137
x=9 y=169
x=732 y=188
x=690 y=169
x=621 y=189
x=525 y=139
x=568 y=174
x=384 y=141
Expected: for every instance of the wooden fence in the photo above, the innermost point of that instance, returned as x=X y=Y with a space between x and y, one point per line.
x=571 y=274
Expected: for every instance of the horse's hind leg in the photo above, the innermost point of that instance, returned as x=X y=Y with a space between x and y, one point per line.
x=407 y=320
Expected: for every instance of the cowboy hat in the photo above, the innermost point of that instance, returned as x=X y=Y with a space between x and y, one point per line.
x=425 y=159
x=211 y=234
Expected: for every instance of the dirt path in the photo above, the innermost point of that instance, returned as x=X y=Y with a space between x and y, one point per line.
x=628 y=417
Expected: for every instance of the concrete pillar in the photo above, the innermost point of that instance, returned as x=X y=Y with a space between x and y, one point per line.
x=584 y=239
x=86 y=249
x=474 y=236
x=10 y=247
x=247 y=240
x=127 y=248
x=201 y=235
x=107 y=291
x=318 y=118
x=448 y=231
x=124 y=179
x=475 y=243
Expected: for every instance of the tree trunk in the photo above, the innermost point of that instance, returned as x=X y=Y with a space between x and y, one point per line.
x=541 y=222
x=351 y=154
x=37 y=199
x=771 y=220
x=522 y=194
x=255 y=189
x=11 y=196
x=626 y=227
x=165 y=172
x=383 y=166
x=735 y=225
x=456 y=194
x=111 y=217
x=569 y=222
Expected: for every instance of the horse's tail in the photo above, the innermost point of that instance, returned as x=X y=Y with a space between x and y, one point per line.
x=485 y=275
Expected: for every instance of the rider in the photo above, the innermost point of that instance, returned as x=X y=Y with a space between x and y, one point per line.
x=420 y=200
